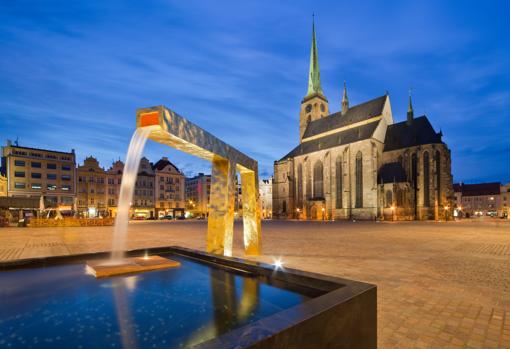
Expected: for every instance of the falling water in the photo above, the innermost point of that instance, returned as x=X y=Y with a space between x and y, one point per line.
x=126 y=191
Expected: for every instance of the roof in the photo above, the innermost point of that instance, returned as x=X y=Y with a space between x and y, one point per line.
x=392 y=172
x=39 y=149
x=161 y=164
x=357 y=113
x=492 y=188
x=404 y=135
x=351 y=135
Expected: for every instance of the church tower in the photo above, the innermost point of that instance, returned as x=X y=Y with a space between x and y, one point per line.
x=314 y=105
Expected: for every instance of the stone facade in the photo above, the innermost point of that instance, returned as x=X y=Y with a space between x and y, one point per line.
x=92 y=189
x=3 y=185
x=266 y=197
x=358 y=163
x=169 y=195
x=198 y=191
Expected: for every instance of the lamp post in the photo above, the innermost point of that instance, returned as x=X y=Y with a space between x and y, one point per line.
x=297 y=213
x=446 y=213
x=323 y=214
x=392 y=212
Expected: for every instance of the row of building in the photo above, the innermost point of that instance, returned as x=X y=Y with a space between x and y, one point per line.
x=58 y=183
x=482 y=199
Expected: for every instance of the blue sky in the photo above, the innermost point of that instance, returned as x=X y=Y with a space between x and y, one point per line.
x=73 y=73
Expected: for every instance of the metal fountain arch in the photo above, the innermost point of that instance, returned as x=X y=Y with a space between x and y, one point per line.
x=169 y=128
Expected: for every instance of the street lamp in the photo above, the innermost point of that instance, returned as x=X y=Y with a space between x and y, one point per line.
x=393 y=212
x=297 y=213
x=323 y=213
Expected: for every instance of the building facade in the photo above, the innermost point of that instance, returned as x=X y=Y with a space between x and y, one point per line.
x=169 y=189
x=358 y=163
x=3 y=184
x=143 y=199
x=114 y=179
x=32 y=172
x=92 y=189
x=198 y=190
x=266 y=197
x=481 y=199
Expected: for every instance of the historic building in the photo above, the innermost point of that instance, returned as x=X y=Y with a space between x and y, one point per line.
x=3 y=184
x=482 y=199
x=143 y=198
x=36 y=173
x=358 y=163
x=198 y=191
x=92 y=189
x=169 y=198
x=114 y=179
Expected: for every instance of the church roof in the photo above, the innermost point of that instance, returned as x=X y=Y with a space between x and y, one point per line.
x=351 y=135
x=491 y=188
x=391 y=172
x=357 y=113
x=404 y=134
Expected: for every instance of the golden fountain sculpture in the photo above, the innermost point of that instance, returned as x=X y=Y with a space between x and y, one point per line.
x=168 y=127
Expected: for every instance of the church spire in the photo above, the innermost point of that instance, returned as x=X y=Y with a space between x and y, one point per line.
x=345 y=100
x=410 y=111
x=314 y=77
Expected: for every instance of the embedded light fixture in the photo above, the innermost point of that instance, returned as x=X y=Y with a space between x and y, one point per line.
x=278 y=263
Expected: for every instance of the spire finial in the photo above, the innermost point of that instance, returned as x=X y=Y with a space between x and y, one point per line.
x=314 y=76
x=345 y=100
x=410 y=111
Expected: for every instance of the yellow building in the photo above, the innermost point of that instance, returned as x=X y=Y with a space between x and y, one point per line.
x=3 y=185
x=114 y=179
x=198 y=191
x=32 y=172
x=169 y=195
x=92 y=189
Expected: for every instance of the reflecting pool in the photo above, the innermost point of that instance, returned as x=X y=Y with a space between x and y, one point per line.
x=62 y=306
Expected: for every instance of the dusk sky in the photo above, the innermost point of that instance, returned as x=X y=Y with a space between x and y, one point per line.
x=73 y=73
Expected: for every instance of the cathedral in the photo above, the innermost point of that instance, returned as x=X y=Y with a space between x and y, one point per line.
x=358 y=163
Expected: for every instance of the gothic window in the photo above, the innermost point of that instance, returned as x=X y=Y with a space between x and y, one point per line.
x=323 y=108
x=308 y=180
x=318 y=179
x=359 y=180
x=426 y=180
x=284 y=206
x=339 y=178
x=308 y=108
x=389 y=198
x=300 y=185
x=438 y=176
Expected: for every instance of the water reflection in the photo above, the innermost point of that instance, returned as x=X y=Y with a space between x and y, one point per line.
x=121 y=288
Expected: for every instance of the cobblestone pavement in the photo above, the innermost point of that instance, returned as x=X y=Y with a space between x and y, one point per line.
x=440 y=285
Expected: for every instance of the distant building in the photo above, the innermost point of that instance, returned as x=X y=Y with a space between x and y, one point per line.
x=92 y=189
x=169 y=187
x=143 y=199
x=478 y=199
x=266 y=197
x=33 y=172
x=114 y=179
x=198 y=190
x=505 y=201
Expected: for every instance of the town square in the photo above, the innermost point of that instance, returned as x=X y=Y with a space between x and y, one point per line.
x=254 y=175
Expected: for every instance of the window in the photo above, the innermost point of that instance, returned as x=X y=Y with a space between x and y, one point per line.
x=284 y=206
x=359 y=180
x=36 y=164
x=91 y=179
x=51 y=166
x=66 y=168
x=66 y=177
x=339 y=178
x=51 y=187
x=308 y=173
x=36 y=186
x=389 y=198
x=19 y=185
x=438 y=176
x=19 y=174
x=426 y=180
x=318 y=191
x=19 y=163
x=300 y=186
x=66 y=187
x=51 y=176
x=36 y=175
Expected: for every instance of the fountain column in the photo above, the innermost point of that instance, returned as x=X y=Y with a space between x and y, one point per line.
x=251 y=212
x=220 y=225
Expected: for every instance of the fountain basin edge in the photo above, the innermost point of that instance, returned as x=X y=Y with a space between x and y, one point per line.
x=343 y=314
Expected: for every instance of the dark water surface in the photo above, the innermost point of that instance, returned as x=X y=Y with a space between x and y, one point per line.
x=62 y=307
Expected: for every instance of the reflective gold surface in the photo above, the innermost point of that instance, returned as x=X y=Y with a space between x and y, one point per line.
x=168 y=127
